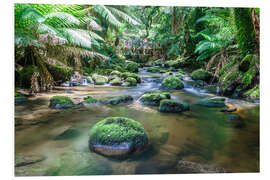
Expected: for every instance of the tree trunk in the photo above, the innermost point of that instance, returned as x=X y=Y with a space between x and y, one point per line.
x=173 y=20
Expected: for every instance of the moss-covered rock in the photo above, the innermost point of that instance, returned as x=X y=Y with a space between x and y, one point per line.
x=132 y=67
x=172 y=106
x=154 y=98
x=174 y=63
x=125 y=75
x=172 y=83
x=201 y=74
x=163 y=71
x=153 y=69
x=99 y=80
x=89 y=80
x=89 y=100
x=213 y=102
x=117 y=136
x=117 y=99
x=180 y=73
x=116 y=82
x=19 y=98
x=131 y=81
x=61 y=102
x=60 y=73
x=115 y=72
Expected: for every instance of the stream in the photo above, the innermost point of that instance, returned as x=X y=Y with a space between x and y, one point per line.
x=201 y=135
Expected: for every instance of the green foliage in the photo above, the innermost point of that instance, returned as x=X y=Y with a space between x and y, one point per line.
x=248 y=77
x=245 y=63
x=245 y=31
x=117 y=130
x=24 y=76
x=227 y=67
x=254 y=92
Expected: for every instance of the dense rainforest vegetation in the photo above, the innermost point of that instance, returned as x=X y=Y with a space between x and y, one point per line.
x=54 y=41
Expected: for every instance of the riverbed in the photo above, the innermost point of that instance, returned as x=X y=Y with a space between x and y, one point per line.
x=201 y=135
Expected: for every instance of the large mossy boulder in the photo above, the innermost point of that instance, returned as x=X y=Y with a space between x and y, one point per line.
x=201 y=74
x=19 y=98
x=125 y=75
x=59 y=73
x=132 y=67
x=153 y=69
x=116 y=82
x=213 y=102
x=130 y=81
x=99 y=80
x=172 y=83
x=115 y=73
x=117 y=136
x=118 y=99
x=61 y=102
x=172 y=106
x=154 y=98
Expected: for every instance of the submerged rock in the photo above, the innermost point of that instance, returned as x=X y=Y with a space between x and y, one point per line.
x=201 y=74
x=117 y=136
x=213 y=102
x=23 y=160
x=61 y=102
x=172 y=106
x=19 y=98
x=172 y=83
x=74 y=163
x=118 y=99
x=235 y=121
x=153 y=69
x=68 y=134
x=154 y=98
x=192 y=167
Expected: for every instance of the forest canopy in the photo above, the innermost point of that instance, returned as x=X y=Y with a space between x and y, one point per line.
x=54 y=41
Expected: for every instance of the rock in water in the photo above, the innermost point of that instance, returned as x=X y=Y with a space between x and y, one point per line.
x=61 y=102
x=191 y=167
x=172 y=83
x=118 y=99
x=19 y=98
x=117 y=136
x=172 y=106
x=201 y=74
x=213 y=102
x=154 y=98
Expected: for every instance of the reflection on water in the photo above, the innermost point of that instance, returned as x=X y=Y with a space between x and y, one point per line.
x=201 y=135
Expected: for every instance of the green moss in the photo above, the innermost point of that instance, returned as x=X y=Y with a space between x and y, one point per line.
x=248 y=77
x=154 y=99
x=180 y=73
x=153 y=69
x=117 y=130
x=116 y=82
x=60 y=73
x=201 y=74
x=131 y=81
x=118 y=99
x=245 y=31
x=163 y=71
x=117 y=73
x=229 y=78
x=227 y=67
x=132 y=67
x=119 y=68
x=125 y=75
x=168 y=105
x=245 y=63
x=99 y=80
x=59 y=102
x=174 y=63
x=90 y=100
x=172 y=82
x=254 y=92
x=213 y=102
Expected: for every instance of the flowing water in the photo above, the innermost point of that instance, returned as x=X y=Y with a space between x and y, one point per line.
x=201 y=135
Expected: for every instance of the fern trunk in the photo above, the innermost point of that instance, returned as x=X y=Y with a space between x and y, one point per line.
x=245 y=31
